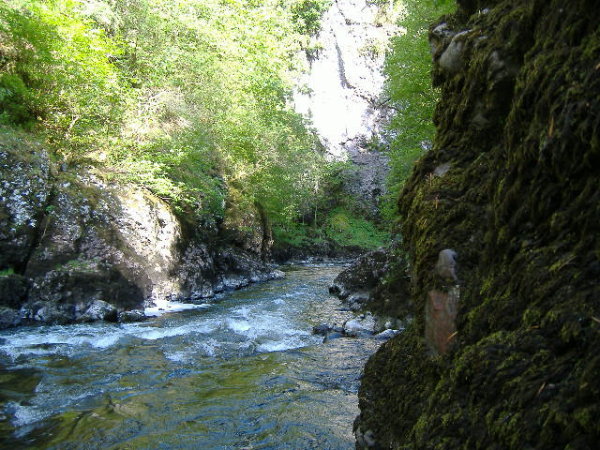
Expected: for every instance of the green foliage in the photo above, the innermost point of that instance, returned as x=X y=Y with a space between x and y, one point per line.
x=408 y=87
x=307 y=15
x=7 y=272
x=341 y=227
x=187 y=98
x=212 y=80
x=346 y=228
x=297 y=235
x=55 y=70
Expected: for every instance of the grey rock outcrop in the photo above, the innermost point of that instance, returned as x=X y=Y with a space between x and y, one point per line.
x=75 y=249
x=343 y=89
x=24 y=194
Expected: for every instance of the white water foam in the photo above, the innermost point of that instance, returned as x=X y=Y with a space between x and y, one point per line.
x=239 y=326
x=279 y=346
x=49 y=340
x=268 y=331
x=209 y=347
x=25 y=415
x=164 y=306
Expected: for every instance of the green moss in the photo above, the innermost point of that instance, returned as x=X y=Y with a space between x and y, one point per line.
x=7 y=272
x=520 y=204
x=347 y=229
x=76 y=265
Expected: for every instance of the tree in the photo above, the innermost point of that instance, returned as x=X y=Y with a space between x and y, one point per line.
x=408 y=87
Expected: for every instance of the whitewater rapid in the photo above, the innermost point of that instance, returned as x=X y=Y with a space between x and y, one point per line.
x=244 y=370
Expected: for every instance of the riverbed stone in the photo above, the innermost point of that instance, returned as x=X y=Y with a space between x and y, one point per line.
x=387 y=334
x=134 y=315
x=362 y=325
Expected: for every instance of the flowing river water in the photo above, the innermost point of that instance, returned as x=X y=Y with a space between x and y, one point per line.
x=243 y=371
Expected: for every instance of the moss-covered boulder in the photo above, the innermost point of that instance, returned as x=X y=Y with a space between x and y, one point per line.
x=512 y=185
x=362 y=275
x=378 y=282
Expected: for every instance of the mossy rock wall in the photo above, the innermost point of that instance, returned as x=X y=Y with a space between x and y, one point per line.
x=513 y=185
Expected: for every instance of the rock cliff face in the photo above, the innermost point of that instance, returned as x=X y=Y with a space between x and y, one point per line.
x=74 y=248
x=343 y=91
x=511 y=185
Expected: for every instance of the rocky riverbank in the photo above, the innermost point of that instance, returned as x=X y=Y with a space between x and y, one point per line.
x=377 y=282
x=500 y=224
x=76 y=248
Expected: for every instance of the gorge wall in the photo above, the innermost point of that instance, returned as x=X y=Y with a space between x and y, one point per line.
x=76 y=248
x=511 y=186
x=342 y=91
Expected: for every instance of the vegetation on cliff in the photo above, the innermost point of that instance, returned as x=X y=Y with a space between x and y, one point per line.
x=188 y=99
x=409 y=93
x=511 y=185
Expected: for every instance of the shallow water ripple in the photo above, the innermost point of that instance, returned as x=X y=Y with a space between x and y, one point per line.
x=241 y=372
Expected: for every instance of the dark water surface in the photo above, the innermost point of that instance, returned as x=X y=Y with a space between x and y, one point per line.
x=241 y=372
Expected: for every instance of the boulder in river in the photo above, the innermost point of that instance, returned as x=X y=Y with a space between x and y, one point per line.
x=134 y=315
x=378 y=282
x=362 y=325
x=361 y=276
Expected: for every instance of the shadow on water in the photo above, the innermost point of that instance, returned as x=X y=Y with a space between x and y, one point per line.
x=242 y=372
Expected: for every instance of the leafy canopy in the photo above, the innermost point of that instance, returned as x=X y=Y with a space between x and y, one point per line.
x=187 y=98
x=408 y=88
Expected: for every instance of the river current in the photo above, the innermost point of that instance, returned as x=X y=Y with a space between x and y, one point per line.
x=242 y=371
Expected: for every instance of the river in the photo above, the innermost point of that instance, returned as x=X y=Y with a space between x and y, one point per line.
x=243 y=371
